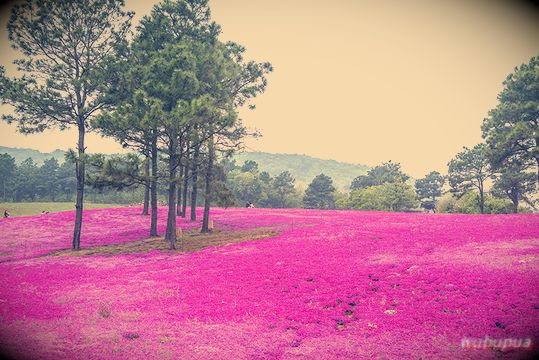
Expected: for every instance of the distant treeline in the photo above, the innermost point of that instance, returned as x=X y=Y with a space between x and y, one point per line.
x=385 y=187
x=53 y=181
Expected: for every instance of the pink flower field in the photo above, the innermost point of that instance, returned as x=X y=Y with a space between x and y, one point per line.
x=329 y=285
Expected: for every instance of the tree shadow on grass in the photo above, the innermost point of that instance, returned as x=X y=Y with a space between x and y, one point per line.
x=189 y=242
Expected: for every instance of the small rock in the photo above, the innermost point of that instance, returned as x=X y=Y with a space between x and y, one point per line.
x=341 y=325
x=295 y=343
x=131 y=336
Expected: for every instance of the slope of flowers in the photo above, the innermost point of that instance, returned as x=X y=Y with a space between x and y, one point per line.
x=333 y=284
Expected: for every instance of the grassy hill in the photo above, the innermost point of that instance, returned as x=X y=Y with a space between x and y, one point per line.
x=302 y=167
x=35 y=208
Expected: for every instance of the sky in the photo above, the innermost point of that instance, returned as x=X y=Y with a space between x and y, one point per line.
x=359 y=81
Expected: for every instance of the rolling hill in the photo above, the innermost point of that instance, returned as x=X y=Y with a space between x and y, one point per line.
x=21 y=154
x=304 y=168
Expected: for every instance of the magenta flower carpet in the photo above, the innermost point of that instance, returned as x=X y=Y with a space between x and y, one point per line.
x=329 y=285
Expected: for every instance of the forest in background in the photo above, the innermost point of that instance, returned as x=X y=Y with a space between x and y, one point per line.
x=385 y=187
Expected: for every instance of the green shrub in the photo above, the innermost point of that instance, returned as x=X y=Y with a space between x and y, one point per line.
x=386 y=197
x=468 y=204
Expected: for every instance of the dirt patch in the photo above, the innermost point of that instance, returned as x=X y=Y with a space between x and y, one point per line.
x=191 y=241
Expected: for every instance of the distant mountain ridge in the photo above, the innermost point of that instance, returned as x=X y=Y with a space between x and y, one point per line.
x=302 y=167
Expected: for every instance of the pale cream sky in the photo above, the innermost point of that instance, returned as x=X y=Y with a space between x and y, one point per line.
x=362 y=81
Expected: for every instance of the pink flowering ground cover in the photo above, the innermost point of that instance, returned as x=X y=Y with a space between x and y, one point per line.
x=331 y=284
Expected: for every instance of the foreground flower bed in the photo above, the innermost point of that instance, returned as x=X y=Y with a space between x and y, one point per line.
x=331 y=284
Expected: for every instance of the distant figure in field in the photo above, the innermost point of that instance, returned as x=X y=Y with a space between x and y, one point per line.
x=44 y=212
x=6 y=214
x=249 y=205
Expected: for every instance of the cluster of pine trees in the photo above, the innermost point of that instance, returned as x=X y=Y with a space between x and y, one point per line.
x=171 y=90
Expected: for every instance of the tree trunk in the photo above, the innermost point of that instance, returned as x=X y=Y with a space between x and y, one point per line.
x=80 y=187
x=515 y=200
x=153 y=185
x=481 y=199
x=185 y=189
x=207 y=190
x=145 y=210
x=194 y=180
x=179 y=200
x=171 y=219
